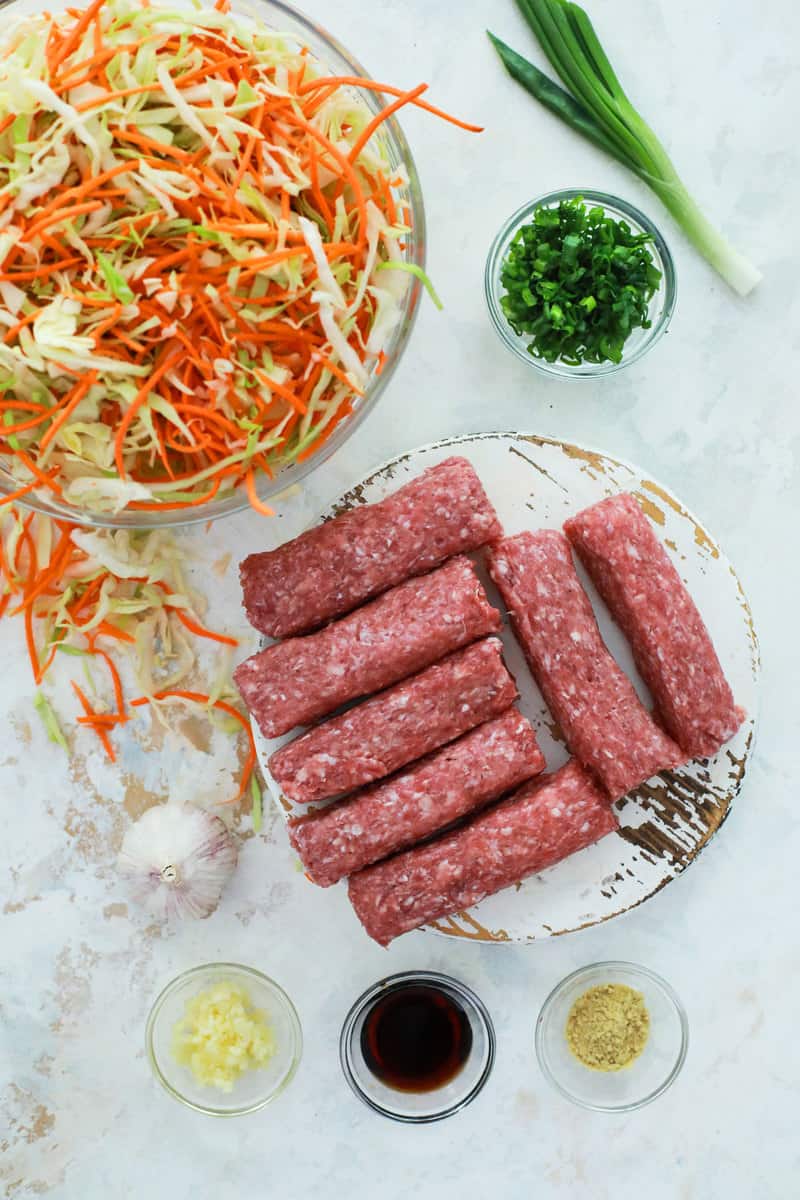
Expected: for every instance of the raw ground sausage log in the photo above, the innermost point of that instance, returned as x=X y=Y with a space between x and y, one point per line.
x=332 y=568
x=397 y=726
x=605 y=724
x=436 y=791
x=544 y=822
x=408 y=628
x=671 y=645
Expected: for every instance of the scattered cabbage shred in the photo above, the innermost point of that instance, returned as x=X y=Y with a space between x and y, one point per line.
x=108 y=598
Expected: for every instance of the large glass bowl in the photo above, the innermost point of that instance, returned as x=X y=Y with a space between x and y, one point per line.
x=332 y=54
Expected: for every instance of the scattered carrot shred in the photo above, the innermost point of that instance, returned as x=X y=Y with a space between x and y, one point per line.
x=60 y=594
x=256 y=503
x=95 y=721
x=202 y=699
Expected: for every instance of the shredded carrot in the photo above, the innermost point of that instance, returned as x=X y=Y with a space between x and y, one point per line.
x=195 y=626
x=33 y=654
x=141 y=396
x=62 y=214
x=223 y=706
x=70 y=403
x=51 y=572
x=200 y=630
x=45 y=479
x=119 y=635
x=84 y=20
x=99 y=720
x=20 y=426
x=340 y=375
x=122 y=94
x=94 y=721
x=168 y=505
x=11 y=497
x=252 y=495
x=337 y=81
x=15 y=330
x=383 y=115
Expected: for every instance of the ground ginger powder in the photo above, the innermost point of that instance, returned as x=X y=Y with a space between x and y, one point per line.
x=608 y=1027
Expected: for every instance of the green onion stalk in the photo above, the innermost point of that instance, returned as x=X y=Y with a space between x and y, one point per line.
x=596 y=106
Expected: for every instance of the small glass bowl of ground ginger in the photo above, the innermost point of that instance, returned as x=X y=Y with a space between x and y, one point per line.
x=612 y=1037
x=223 y=1039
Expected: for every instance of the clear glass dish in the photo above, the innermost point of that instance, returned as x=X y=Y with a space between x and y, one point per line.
x=254 y=1089
x=418 y=1108
x=640 y=341
x=648 y=1076
x=329 y=51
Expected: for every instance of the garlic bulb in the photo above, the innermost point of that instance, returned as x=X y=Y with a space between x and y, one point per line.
x=179 y=859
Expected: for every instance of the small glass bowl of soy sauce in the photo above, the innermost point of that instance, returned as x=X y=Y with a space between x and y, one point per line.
x=417 y=1047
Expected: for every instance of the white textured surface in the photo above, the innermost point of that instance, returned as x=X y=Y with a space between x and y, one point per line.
x=713 y=412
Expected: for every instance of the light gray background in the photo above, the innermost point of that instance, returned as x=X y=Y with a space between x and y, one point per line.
x=713 y=413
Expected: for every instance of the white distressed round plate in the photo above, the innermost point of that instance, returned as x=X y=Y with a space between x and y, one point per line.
x=537 y=482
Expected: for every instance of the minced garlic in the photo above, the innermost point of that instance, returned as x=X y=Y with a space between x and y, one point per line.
x=608 y=1027
x=221 y=1035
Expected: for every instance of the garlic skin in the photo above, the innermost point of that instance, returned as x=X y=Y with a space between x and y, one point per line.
x=179 y=859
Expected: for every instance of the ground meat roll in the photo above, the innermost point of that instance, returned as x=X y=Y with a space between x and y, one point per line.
x=544 y=822
x=397 y=726
x=605 y=724
x=408 y=628
x=430 y=795
x=670 y=643
x=332 y=568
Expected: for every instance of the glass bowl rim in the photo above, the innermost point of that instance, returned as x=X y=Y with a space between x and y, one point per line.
x=296 y=473
x=634 y=969
x=434 y=977
x=610 y=202
x=221 y=968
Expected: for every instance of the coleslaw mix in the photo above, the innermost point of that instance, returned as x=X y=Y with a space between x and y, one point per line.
x=201 y=253
x=201 y=260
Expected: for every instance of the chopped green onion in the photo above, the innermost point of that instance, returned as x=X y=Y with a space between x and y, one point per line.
x=579 y=282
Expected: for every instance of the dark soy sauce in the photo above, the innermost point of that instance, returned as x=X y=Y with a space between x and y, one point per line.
x=416 y=1038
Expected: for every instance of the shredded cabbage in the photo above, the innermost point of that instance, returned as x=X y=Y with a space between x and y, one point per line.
x=50 y=721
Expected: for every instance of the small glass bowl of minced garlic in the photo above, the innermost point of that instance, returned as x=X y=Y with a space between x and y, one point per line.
x=223 y=1039
x=612 y=1036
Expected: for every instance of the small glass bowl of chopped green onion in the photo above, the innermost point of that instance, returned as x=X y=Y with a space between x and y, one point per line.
x=580 y=283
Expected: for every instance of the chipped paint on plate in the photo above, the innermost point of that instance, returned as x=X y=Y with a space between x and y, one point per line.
x=537 y=482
